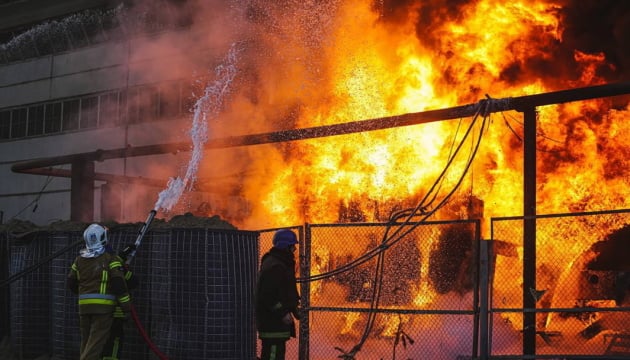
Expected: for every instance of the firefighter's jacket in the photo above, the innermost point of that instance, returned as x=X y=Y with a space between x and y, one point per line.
x=130 y=280
x=100 y=284
x=132 y=283
x=276 y=295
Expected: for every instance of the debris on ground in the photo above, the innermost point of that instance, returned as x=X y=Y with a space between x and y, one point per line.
x=187 y=220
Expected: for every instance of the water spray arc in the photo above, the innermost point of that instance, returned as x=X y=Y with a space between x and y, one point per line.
x=208 y=105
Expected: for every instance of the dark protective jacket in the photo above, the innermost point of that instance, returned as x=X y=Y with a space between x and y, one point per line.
x=130 y=279
x=100 y=283
x=276 y=294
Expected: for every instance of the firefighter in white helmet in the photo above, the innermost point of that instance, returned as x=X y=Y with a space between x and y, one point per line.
x=97 y=276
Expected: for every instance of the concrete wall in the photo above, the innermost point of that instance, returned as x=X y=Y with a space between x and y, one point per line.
x=93 y=69
x=99 y=68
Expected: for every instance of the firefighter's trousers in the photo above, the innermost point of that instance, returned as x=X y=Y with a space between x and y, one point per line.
x=95 y=329
x=113 y=347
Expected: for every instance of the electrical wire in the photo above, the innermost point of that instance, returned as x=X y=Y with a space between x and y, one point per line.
x=411 y=213
x=39 y=264
x=538 y=133
x=389 y=240
x=36 y=200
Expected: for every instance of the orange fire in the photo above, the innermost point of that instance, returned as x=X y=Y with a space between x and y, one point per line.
x=358 y=61
x=365 y=66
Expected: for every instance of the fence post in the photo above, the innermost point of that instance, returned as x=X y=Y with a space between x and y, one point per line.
x=483 y=298
x=4 y=290
x=529 y=231
x=305 y=292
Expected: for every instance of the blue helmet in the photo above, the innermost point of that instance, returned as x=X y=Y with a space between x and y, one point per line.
x=284 y=238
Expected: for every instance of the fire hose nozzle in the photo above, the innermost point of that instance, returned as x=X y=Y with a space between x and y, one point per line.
x=141 y=233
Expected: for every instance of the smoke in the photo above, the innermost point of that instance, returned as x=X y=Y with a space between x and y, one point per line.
x=590 y=26
x=595 y=26
x=293 y=54
x=206 y=109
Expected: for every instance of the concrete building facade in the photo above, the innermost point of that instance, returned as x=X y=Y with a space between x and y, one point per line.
x=75 y=80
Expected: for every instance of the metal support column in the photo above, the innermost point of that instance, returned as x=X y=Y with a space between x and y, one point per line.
x=82 y=191
x=529 y=232
x=484 y=295
x=305 y=292
x=5 y=260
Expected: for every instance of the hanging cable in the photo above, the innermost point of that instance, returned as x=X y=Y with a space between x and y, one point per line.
x=36 y=200
x=388 y=241
x=420 y=208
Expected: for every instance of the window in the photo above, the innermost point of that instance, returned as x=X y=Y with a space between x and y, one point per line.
x=89 y=113
x=190 y=94
x=108 y=110
x=170 y=100
x=52 y=121
x=5 y=124
x=70 y=118
x=35 y=120
x=115 y=108
x=148 y=96
x=18 y=123
x=122 y=106
x=132 y=106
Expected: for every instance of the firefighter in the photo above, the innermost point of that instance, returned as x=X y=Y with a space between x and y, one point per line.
x=277 y=298
x=97 y=276
x=113 y=347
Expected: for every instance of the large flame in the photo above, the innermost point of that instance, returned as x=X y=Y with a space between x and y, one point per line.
x=321 y=63
x=354 y=61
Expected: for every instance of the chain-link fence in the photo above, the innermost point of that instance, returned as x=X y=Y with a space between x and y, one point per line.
x=429 y=290
x=582 y=279
x=376 y=292
x=194 y=297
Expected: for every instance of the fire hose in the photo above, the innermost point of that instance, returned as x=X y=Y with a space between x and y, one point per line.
x=145 y=336
x=134 y=314
x=141 y=233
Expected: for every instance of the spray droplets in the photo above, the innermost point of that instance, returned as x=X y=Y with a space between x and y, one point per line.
x=208 y=106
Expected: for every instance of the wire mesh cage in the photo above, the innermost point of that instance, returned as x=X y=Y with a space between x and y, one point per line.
x=194 y=299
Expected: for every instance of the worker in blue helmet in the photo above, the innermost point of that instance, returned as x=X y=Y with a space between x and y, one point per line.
x=277 y=298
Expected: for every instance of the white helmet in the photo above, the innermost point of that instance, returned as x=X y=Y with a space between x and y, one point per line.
x=95 y=237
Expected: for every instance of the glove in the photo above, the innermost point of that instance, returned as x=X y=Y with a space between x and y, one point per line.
x=127 y=250
x=296 y=314
x=287 y=319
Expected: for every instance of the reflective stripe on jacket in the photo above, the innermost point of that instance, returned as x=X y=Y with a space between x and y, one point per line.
x=100 y=283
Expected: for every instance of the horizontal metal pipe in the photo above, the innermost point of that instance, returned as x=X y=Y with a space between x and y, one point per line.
x=570 y=95
x=121 y=179
x=101 y=155
x=494 y=105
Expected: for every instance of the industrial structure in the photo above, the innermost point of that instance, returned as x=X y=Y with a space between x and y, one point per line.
x=70 y=83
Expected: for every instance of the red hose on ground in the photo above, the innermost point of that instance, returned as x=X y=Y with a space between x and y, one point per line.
x=145 y=336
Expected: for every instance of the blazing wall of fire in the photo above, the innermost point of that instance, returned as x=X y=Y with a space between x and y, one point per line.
x=310 y=63
x=307 y=63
